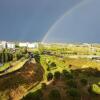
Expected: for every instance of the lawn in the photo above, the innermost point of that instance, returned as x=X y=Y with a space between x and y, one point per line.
x=61 y=64
x=6 y=65
x=16 y=65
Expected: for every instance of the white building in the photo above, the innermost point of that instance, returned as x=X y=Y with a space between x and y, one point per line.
x=23 y=44
x=28 y=45
x=4 y=44
x=32 y=45
x=0 y=46
x=10 y=45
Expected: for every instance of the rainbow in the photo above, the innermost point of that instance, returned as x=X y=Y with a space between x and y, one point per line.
x=67 y=13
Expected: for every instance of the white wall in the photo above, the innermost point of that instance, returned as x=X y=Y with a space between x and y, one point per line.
x=32 y=45
x=10 y=45
x=23 y=44
x=29 y=45
x=3 y=43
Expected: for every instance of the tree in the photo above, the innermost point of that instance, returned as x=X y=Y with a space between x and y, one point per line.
x=24 y=51
x=26 y=56
x=37 y=58
x=10 y=57
x=6 y=57
x=74 y=93
x=49 y=76
x=34 y=96
x=43 y=85
x=18 y=56
x=54 y=95
x=0 y=57
x=3 y=57
x=16 y=46
x=41 y=48
x=48 y=69
x=95 y=89
x=84 y=81
x=67 y=74
x=57 y=75
x=53 y=64
x=72 y=83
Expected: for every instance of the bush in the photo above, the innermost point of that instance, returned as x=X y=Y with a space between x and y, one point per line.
x=26 y=56
x=84 y=81
x=74 y=92
x=5 y=57
x=97 y=73
x=53 y=64
x=70 y=66
x=49 y=76
x=72 y=83
x=37 y=58
x=54 y=95
x=43 y=85
x=67 y=74
x=48 y=69
x=95 y=89
x=57 y=75
x=34 y=96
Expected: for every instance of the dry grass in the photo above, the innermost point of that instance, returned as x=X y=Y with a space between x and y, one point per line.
x=14 y=85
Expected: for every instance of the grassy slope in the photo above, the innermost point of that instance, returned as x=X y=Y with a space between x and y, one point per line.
x=16 y=65
x=6 y=65
x=16 y=84
x=65 y=65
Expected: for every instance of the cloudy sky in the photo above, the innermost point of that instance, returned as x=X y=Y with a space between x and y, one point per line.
x=79 y=24
x=30 y=20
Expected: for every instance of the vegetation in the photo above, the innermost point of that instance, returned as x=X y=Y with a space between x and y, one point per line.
x=37 y=58
x=57 y=75
x=54 y=95
x=5 y=57
x=49 y=76
x=54 y=72
x=34 y=96
x=72 y=83
x=74 y=93
x=84 y=81
x=67 y=74
x=43 y=85
x=95 y=88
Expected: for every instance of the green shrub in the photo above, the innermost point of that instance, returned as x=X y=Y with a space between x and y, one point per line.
x=72 y=83
x=95 y=89
x=54 y=95
x=67 y=74
x=74 y=92
x=49 y=76
x=43 y=85
x=48 y=69
x=57 y=75
x=52 y=65
x=84 y=81
x=37 y=58
x=34 y=96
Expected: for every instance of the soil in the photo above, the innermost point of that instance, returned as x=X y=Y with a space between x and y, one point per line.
x=14 y=85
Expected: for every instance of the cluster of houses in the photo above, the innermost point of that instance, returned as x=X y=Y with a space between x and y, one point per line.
x=12 y=45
